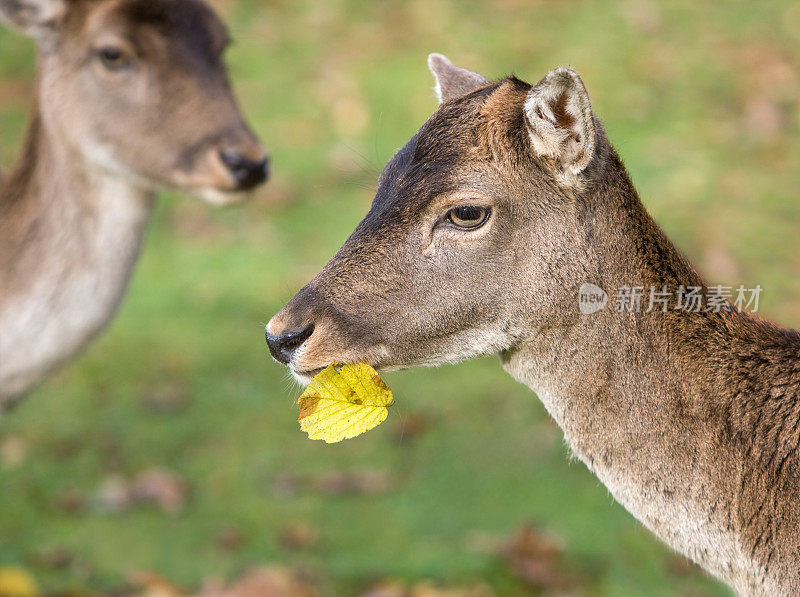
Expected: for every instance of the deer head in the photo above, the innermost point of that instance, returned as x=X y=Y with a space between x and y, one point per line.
x=138 y=88
x=473 y=241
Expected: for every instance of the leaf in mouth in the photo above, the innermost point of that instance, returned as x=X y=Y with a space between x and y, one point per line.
x=342 y=404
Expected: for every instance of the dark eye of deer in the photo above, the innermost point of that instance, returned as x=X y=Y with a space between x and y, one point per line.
x=468 y=217
x=113 y=58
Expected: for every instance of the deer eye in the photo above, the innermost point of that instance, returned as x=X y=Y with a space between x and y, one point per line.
x=113 y=58
x=468 y=217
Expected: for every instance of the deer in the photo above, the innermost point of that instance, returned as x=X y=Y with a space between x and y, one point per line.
x=483 y=230
x=132 y=96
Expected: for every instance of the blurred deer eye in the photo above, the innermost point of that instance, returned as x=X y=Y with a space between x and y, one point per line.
x=468 y=217
x=113 y=58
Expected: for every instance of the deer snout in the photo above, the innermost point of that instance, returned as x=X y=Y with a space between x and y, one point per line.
x=224 y=167
x=309 y=334
x=247 y=172
x=283 y=345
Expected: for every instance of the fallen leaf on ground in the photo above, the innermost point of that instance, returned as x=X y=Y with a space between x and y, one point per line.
x=16 y=582
x=367 y=481
x=153 y=585
x=13 y=450
x=161 y=487
x=411 y=427
x=359 y=482
x=269 y=581
x=342 y=404
x=114 y=494
x=299 y=535
x=158 y=486
x=230 y=539
x=288 y=484
x=537 y=559
x=387 y=588
x=71 y=501
x=167 y=399
x=52 y=557
x=427 y=589
x=393 y=588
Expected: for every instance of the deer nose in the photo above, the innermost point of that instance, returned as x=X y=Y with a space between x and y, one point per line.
x=284 y=345
x=247 y=172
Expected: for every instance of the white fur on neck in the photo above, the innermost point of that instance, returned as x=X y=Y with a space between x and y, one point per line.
x=79 y=290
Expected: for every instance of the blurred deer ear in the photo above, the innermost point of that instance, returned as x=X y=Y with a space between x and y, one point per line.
x=38 y=18
x=560 y=120
x=453 y=81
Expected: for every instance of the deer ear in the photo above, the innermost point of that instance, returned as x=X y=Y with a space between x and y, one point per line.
x=453 y=81
x=560 y=120
x=38 y=18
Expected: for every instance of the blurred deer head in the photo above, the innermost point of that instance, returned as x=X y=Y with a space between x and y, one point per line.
x=139 y=89
x=132 y=96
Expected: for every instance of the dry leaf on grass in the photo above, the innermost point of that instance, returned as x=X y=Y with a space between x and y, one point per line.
x=150 y=584
x=299 y=535
x=230 y=539
x=358 y=482
x=158 y=486
x=392 y=588
x=411 y=427
x=161 y=487
x=537 y=559
x=369 y=481
x=16 y=582
x=268 y=581
x=13 y=450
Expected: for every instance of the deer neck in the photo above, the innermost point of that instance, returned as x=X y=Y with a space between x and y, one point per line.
x=648 y=400
x=69 y=237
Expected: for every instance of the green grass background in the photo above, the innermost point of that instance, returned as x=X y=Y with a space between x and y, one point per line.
x=699 y=97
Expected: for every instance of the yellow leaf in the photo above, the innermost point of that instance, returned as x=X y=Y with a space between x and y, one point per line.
x=342 y=404
x=15 y=582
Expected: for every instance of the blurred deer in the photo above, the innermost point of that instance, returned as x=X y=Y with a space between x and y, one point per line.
x=484 y=229
x=132 y=96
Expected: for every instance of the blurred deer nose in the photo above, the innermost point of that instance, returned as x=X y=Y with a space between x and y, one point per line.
x=284 y=345
x=247 y=172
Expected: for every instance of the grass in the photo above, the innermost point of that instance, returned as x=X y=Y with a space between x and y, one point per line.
x=699 y=97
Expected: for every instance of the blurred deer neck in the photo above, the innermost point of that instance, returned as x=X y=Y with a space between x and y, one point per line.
x=70 y=235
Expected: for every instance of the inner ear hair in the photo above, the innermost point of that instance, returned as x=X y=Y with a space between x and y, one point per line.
x=560 y=121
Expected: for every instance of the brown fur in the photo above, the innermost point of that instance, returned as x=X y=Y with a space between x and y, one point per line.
x=101 y=141
x=692 y=420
